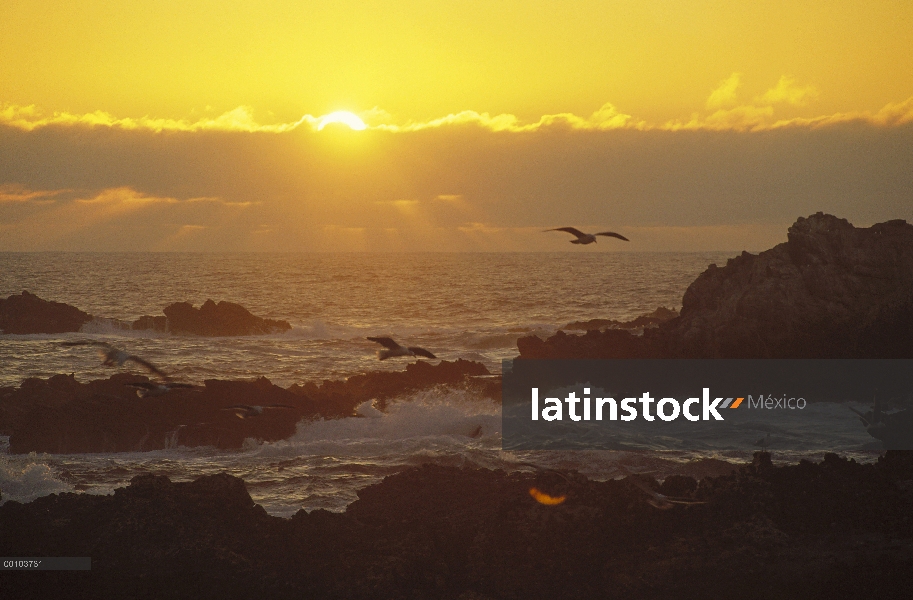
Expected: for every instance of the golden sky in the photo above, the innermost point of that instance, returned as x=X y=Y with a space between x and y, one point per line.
x=418 y=60
x=694 y=124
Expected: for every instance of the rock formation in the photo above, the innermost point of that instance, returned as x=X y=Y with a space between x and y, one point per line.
x=831 y=291
x=653 y=319
x=61 y=415
x=27 y=313
x=224 y=318
x=834 y=529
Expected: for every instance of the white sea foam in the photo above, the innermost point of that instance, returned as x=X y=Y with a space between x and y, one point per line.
x=24 y=478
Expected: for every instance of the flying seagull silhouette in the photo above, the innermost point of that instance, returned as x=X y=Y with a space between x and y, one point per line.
x=245 y=411
x=588 y=238
x=393 y=349
x=115 y=357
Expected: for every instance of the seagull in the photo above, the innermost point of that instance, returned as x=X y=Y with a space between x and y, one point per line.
x=764 y=442
x=245 y=411
x=145 y=389
x=588 y=238
x=394 y=349
x=116 y=357
x=661 y=501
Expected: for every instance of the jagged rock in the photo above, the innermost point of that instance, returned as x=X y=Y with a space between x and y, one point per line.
x=222 y=319
x=653 y=319
x=159 y=323
x=834 y=529
x=831 y=291
x=27 y=313
x=61 y=415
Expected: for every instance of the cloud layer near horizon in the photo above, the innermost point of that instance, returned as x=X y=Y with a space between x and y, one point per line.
x=471 y=182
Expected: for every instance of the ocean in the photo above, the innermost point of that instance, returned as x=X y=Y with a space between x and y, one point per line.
x=467 y=305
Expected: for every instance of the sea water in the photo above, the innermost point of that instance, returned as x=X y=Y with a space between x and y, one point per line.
x=469 y=305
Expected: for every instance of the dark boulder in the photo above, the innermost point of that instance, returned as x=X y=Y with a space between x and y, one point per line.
x=834 y=529
x=222 y=319
x=27 y=313
x=652 y=319
x=61 y=415
x=831 y=291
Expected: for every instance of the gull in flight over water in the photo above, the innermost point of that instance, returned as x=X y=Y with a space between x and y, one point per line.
x=588 y=238
x=245 y=411
x=115 y=357
x=391 y=349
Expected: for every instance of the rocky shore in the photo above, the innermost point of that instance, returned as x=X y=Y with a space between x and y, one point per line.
x=835 y=529
x=831 y=291
x=26 y=313
x=61 y=415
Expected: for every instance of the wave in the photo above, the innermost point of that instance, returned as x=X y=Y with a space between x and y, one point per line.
x=452 y=419
x=25 y=478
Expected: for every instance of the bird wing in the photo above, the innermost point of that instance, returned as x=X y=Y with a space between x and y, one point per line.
x=861 y=416
x=576 y=232
x=421 y=352
x=239 y=406
x=385 y=342
x=278 y=406
x=613 y=234
x=152 y=368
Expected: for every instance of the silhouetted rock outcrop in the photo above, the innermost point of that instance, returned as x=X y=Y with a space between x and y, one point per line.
x=224 y=318
x=61 y=415
x=834 y=529
x=653 y=319
x=831 y=291
x=27 y=313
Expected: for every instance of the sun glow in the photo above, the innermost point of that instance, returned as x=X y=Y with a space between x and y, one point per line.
x=342 y=116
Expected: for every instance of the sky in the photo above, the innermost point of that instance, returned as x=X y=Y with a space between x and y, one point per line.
x=684 y=125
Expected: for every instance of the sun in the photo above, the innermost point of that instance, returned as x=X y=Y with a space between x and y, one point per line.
x=344 y=117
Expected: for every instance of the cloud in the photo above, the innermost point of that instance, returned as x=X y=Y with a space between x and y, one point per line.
x=30 y=118
x=241 y=118
x=12 y=192
x=606 y=118
x=449 y=188
x=724 y=94
x=726 y=114
x=787 y=91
